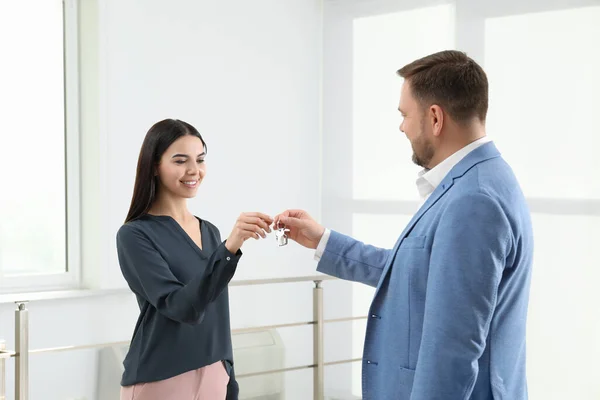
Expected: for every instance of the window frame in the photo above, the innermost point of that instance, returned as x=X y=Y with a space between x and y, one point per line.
x=70 y=277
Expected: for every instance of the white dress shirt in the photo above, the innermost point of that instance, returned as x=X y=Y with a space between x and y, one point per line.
x=427 y=181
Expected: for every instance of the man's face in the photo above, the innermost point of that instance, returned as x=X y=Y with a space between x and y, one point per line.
x=414 y=127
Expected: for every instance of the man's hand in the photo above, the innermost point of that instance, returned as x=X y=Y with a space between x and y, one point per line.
x=304 y=230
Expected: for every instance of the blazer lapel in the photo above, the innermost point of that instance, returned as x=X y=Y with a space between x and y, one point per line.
x=433 y=198
x=480 y=154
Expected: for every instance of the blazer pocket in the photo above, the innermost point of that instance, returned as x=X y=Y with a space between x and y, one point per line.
x=406 y=378
x=413 y=242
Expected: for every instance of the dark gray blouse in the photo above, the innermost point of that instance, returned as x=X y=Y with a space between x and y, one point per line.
x=182 y=294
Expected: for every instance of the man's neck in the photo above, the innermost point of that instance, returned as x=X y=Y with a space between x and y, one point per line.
x=455 y=141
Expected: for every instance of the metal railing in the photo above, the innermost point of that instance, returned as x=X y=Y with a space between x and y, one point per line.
x=22 y=350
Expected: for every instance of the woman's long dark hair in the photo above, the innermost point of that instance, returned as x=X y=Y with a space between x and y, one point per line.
x=158 y=139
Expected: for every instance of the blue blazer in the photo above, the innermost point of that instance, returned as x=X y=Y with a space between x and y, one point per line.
x=448 y=318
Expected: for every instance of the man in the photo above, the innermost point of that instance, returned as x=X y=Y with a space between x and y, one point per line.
x=448 y=318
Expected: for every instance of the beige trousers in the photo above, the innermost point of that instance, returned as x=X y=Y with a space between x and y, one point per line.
x=206 y=383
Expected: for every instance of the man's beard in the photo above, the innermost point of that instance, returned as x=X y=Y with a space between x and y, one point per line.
x=423 y=150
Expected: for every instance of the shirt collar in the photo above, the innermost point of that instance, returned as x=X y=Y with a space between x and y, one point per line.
x=429 y=179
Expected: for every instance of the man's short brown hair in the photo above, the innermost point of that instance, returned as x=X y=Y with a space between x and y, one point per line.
x=451 y=80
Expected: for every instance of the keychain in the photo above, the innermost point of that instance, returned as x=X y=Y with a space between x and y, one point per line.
x=281 y=235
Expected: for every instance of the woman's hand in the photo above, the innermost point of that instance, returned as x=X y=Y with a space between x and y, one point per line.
x=248 y=225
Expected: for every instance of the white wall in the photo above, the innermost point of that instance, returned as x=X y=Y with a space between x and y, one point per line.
x=247 y=75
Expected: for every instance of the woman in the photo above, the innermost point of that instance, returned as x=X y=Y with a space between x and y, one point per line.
x=179 y=268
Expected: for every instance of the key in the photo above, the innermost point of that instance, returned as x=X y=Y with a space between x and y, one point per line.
x=281 y=235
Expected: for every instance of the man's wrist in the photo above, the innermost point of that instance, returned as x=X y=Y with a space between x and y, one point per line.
x=322 y=244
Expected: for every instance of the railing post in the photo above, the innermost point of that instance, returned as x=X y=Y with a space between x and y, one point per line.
x=318 y=355
x=22 y=351
x=2 y=370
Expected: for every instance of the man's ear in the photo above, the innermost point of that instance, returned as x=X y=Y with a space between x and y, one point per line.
x=436 y=118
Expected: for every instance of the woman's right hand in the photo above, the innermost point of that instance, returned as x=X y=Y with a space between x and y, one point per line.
x=248 y=225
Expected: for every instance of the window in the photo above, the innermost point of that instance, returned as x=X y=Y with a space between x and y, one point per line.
x=380 y=150
x=544 y=89
x=368 y=181
x=544 y=92
x=382 y=44
x=39 y=167
x=542 y=61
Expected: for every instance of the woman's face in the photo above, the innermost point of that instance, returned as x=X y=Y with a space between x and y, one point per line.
x=181 y=167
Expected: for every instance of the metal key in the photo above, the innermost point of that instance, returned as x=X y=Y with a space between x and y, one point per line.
x=281 y=235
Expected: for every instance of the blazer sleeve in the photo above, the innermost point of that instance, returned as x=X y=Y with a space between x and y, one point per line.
x=350 y=259
x=466 y=267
